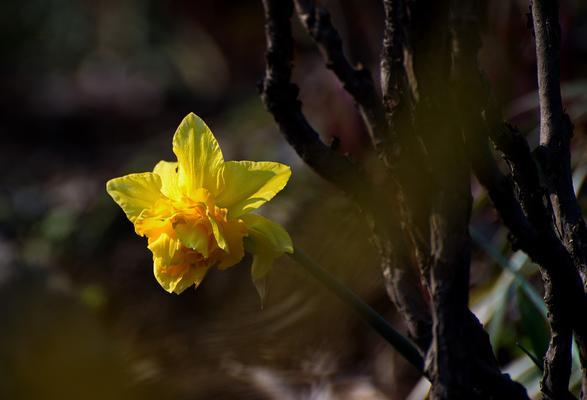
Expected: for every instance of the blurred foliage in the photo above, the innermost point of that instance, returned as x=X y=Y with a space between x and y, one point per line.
x=91 y=90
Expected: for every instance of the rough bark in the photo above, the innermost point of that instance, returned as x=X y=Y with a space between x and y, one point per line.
x=356 y=80
x=431 y=131
x=280 y=98
x=554 y=157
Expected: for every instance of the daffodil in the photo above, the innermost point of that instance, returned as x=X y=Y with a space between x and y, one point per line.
x=196 y=212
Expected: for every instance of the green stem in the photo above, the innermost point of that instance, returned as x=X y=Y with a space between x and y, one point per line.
x=403 y=345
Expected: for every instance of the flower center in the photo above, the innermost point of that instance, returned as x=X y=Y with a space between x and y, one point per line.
x=191 y=233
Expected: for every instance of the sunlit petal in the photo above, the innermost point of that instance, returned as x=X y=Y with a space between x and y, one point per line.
x=135 y=192
x=192 y=277
x=266 y=242
x=164 y=249
x=193 y=236
x=177 y=278
x=199 y=157
x=218 y=232
x=172 y=271
x=249 y=185
x=169 y=178
x=233 y=234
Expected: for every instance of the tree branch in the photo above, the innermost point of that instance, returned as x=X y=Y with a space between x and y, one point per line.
x=554 y=152
x=556 y=131
x=452 y=352
x=467 y=92
x=531 y=231
x=357 y=81
x=280 y=98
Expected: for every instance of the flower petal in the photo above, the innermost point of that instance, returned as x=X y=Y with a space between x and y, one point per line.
x=135 y=192
x=169 y=179
x=179 y=282
x=261 y=266
x=217 y=231
x=193 y=236
x=261 y=287
x=249 y=184
x=266 y=242
x=235 y=251
x=173 y=277
x=164 y=249
x=199 y=156
x=155 y=220
x=193 y=277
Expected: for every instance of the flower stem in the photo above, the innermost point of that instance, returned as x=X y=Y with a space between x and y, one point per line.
x=403 y=345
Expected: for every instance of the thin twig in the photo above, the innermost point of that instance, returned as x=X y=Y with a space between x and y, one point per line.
x=356 y=80
x=280 y=98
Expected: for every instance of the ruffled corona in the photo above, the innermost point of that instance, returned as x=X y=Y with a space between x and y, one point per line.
x=195 y=212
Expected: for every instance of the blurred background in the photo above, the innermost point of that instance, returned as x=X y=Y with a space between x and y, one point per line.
x=91 y=90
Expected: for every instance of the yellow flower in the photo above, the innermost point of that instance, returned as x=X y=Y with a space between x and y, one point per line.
x=196 y=212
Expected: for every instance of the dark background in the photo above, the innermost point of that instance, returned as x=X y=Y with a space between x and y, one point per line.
x=91 y=90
